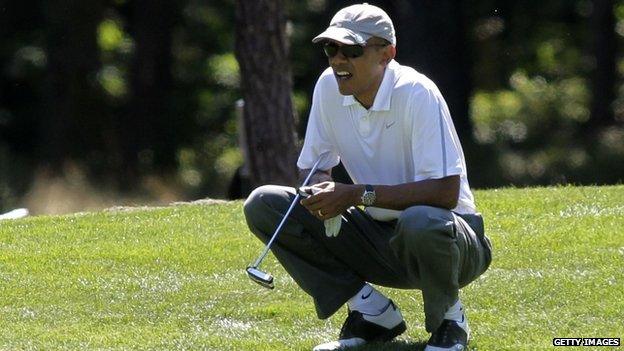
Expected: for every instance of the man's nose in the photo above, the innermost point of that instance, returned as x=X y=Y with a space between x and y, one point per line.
x=338 y=58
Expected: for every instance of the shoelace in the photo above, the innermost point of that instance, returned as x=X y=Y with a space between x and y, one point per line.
x=444 y=335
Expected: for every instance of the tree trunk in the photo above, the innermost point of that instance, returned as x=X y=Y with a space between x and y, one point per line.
x=262 y=53
x=603 y=75
x=432 y=38
x=70 y=127
x=148 y=134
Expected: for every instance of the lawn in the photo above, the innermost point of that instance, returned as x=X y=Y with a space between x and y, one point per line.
x=173 y=279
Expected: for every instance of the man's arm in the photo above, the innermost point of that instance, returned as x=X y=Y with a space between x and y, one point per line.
x=335 y=198
x=443 y=192
x=319 y=176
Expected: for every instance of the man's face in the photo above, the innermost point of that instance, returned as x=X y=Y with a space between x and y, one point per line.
x=360 y=76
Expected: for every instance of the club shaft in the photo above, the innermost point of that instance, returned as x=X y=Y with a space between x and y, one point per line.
x=279 y=227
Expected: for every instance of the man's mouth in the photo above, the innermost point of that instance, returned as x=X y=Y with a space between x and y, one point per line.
x=342 y=75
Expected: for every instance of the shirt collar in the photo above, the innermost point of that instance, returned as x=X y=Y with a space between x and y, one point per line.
x=384 y=94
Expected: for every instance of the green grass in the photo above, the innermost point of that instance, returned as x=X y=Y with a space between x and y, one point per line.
x=173 y=279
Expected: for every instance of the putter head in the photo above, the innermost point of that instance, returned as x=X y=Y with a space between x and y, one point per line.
x=258 y=276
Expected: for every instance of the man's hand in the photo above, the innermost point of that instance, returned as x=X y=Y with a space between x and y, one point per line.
x=330 y=199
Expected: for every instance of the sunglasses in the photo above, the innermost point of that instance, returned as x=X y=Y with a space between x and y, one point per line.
x=349 y=51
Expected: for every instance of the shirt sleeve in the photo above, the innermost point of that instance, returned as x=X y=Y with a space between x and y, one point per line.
x=435 y=147
x=317 y=141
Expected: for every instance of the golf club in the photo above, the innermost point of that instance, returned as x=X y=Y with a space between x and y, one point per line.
x=263 y=278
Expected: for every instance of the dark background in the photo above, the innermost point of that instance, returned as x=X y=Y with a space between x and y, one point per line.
x=133 y=101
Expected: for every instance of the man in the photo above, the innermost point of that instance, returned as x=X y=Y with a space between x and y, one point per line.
x=393 y=132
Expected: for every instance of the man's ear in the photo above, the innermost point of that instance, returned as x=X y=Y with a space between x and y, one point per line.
x=389 y=53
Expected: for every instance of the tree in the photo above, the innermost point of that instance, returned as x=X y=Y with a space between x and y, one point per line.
x=262 y=53
x=431 y=37
x=71 y=125
x=148 y=132
x=602 y=33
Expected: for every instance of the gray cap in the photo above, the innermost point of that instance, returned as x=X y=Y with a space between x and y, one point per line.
x=358 y=23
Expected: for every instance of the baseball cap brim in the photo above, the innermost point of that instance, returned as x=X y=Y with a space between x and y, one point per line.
x=342 y=35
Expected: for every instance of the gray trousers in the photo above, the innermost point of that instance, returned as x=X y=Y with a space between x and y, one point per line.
x=427 y=248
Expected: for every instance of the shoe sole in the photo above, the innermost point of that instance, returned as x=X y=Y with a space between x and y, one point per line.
x=385 y=337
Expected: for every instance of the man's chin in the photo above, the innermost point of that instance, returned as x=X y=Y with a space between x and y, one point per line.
x=344 y=91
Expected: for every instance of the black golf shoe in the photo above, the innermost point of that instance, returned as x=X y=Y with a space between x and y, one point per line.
x=450 y=336
x=361 y=328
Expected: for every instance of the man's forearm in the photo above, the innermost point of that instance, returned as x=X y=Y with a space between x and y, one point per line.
x=318 y=177
x=431 y=192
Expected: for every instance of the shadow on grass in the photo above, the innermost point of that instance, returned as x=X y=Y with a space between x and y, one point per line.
x=396 y=345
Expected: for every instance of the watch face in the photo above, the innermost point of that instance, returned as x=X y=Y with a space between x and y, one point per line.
x=368 y=198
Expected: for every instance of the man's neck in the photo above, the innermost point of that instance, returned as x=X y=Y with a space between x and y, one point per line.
x=368 y=98
x=364 y=104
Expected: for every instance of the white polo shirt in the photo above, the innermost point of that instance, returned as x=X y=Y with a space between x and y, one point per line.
x=407 y=135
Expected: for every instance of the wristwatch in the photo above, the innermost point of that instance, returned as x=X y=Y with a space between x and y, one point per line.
x=368 y=198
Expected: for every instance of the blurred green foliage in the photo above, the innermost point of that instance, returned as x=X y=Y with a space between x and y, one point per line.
x=536 y=123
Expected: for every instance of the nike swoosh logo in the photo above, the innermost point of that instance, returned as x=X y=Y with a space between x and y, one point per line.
x=388 y=125
x=364 y=297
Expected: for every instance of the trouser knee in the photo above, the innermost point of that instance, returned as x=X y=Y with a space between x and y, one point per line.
x=261 y=204
x=424 y=228
x=253 y=203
